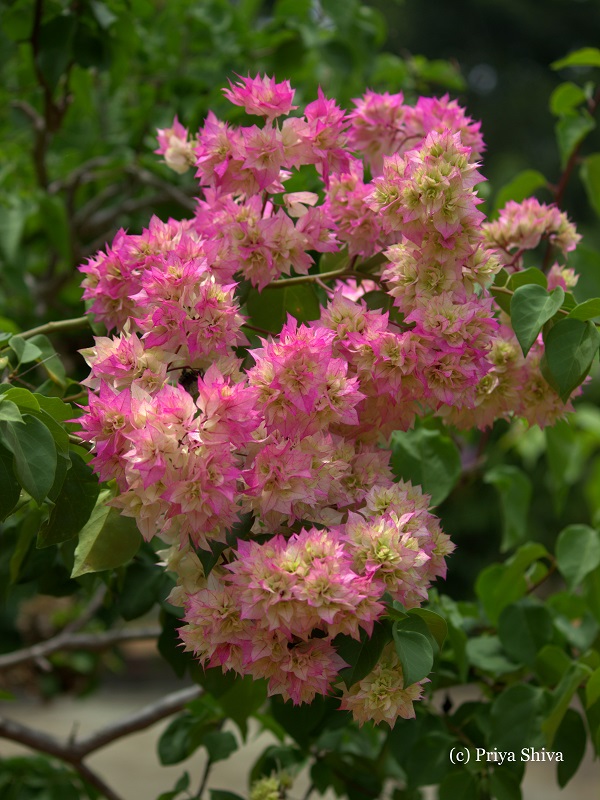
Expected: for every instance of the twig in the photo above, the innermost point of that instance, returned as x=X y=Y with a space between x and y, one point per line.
x=300 y=279
x=204 y=780
x=75 y=641
x=58 y=326
x=88 y=613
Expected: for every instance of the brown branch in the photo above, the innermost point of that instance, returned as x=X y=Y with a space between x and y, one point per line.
x=143 y=719
x=76 y=641
x=74 y=753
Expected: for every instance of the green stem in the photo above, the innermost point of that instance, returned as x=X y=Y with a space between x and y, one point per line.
x=75 y=324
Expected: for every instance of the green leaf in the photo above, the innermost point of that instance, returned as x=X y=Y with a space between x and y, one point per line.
x=584 y=57
x=220 y=745
x=103 y=14
x=12 y=225
x=590 y=176
x=514 y=488
x=56 y=224
x=73 y=506
x=178 y=741
x=530 y=307
x=524 y=628
x=571 y=346
x=561 y=698
x=428 y=458
x=269 y=309
x=458 y=784
x=486 y=653
x=362 y=655
x=592 y=688
x=25 y=350
x=139 y=591
x=501 y=584
x=516 y=718
x=577 y=553
x=589 y=309
x=526 y=277
x=55 y=41
x=25 y=399
x=9 y=411
x=521 y=186
x=571 y=739
x=415 y=653
x=551 y=663
x=34 y=452
x=571 y=130
x=107 y=541
x=505 y=784
x=565 y=98
x=435 y=623
x=11 y=488
x=54 y=367
x=243 y=699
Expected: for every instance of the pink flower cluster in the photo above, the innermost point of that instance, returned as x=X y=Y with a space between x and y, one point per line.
x=198 y=427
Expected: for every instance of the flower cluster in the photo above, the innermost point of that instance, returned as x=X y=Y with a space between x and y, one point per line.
x=203 y=425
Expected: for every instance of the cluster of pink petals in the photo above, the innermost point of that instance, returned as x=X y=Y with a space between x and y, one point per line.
x=197 y=427
x=521 y=226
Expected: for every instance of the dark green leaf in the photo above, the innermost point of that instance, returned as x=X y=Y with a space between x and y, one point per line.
x=571 y=739
x=139 y=591
x=505 y=784
x=524 y=627
x=530 y=308
x=458 y=784
x=526 y=277
x=514 y=489
x=220 y=745
x=501 y=584
x=415 y=653
x=11 y=489
x=361 y=656
x=571 y=346
x=590 y=175
x=436 y=624
x=220 y=794
x=516 y=718
x=177 y=742
x=269 y=309
x=56 y=224
x=107 y=541
x=54 y=367
x=428 y=458
x=34 y=452
x=73 y=506
x=55 y=41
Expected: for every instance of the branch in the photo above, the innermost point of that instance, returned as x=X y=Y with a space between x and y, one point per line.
x=76 y=641
x=150 y=714
x=74 y=752
x=75 y=324
x=43 y=743
x=323 y=276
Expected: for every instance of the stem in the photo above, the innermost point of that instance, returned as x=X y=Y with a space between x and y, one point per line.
x=75 y=324
x=203 y=782
x=323 y=276
x=75 y=641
